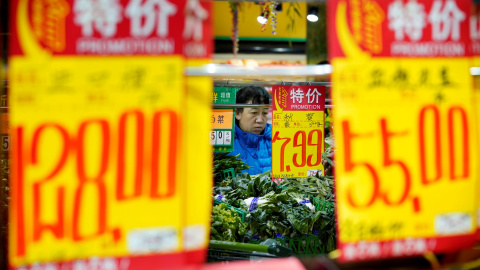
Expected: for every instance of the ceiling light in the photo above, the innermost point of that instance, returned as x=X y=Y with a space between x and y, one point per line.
x=261 y=19
x=312 y=14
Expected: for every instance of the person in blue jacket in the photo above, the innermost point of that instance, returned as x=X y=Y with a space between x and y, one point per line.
x=253 y=135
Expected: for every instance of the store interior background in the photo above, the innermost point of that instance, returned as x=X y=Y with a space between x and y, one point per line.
x=304 y=43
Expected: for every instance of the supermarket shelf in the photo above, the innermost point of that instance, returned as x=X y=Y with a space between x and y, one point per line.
x=280 y=1
x=232 y=106
x=240 y=83
x=221 y=70
x=217 y=71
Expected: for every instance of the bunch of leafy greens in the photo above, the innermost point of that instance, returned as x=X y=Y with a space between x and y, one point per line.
x=281 y=214
x=316 y=188
x=224 y=161
x=320 y=187
x=243 y=187
x=279 y=209
x=226 y=225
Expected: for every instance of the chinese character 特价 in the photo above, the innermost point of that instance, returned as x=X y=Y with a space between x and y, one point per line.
x=313 y=95
x=446 y=21
x=409 y=19
x=195 y=15
x=296 y=95
x=102 y=15
x=144 y=17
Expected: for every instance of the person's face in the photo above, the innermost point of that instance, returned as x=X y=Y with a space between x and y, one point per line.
x=252 y=120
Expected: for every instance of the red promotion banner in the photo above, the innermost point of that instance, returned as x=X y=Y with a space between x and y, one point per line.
x=299 y=98
x=116 y=27
x=401 y=28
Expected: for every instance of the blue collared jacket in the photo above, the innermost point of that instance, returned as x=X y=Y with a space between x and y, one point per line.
x=255 y=150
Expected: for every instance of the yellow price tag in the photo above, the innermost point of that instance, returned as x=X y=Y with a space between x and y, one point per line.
x=405 y=172
x=404 y=128
x=97 y=160
x=298 y=131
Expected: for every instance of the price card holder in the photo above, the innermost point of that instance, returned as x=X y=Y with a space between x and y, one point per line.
x=404 y=125
x=223 y=134
x=298 y=130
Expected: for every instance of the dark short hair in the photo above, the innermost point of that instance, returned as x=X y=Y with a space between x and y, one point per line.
x=255 y=94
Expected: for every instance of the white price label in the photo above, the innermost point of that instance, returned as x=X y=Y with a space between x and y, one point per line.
x=228 y=137
x=213 y=137
x=152 y=240
x=453 y=223
x=220 y=138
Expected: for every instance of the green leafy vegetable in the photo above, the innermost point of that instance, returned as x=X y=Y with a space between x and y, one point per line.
x=224 y=161
x=285 y=209
x=226 y=224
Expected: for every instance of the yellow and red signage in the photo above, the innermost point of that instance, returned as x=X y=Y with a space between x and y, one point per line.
x=97 y=96
x=298 y=130
x=404 y=127
x=197 y=48
x=475 y=49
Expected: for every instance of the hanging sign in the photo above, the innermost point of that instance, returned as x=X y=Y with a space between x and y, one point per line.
x=97 y=172
x=404 y=121
x=224 y=95
x=298 y=130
